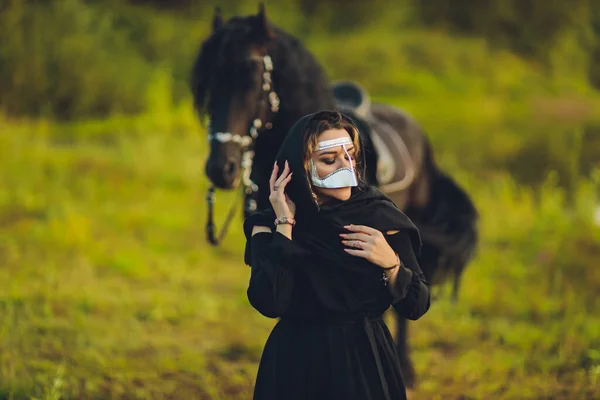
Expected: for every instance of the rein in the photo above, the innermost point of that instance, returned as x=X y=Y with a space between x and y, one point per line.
x=248 y=187
x=246 y=143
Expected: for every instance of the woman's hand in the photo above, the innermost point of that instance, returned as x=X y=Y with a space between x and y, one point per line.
x=370 y=244
x=282 y=204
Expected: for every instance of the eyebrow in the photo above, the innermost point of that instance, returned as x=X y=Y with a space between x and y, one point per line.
x=349 y=149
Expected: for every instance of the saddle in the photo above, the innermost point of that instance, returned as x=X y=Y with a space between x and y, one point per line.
x=395 y=169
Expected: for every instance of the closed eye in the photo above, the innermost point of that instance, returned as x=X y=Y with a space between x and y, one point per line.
x=332 y=160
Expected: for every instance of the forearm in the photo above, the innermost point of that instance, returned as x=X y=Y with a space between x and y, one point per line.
x=285 y=230
x=271 y=282
x=398 y=279
x=273 y=257
x=407 y=284
x=416 y=300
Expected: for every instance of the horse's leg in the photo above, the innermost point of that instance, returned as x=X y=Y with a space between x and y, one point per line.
x=456 y=285
x=403 y=350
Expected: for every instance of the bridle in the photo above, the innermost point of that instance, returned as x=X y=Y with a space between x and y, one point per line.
x=246 y=145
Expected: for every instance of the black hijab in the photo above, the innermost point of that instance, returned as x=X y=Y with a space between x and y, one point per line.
x=318 y=227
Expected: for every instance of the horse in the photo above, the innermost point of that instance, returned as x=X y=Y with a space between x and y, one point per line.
x=253 y=81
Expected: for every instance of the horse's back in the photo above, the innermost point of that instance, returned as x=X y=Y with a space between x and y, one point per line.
x=402 y=122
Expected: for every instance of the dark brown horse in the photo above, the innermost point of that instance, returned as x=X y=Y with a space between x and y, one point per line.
x=253 y=81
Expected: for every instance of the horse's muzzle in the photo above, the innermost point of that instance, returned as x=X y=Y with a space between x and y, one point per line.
x=223 y=175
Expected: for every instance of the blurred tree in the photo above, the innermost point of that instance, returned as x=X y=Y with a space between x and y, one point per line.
x=343 y=15
x=331 y=15
x=528 y=27
x=590 y=152
x=171 y=4
x=77 y=58
x=594 y=70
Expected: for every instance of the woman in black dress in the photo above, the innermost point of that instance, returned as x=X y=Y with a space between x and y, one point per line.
x=329 y=258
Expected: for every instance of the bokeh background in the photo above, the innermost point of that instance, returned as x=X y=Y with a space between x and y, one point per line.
x=108 y=288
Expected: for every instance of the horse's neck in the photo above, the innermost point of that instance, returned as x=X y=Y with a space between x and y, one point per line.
x=264 y=158
x=265 y=150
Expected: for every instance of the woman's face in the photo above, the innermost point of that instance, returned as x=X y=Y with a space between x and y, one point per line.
x=328 y=160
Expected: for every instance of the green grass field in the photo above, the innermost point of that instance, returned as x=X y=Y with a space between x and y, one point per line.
x=109 y=289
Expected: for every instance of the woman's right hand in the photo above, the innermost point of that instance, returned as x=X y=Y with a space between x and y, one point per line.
x=282 y=204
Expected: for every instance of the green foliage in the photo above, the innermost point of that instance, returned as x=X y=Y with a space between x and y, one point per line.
x=64 y=59
x=528 y=27
x=536 y=30
x=76 y=59
x=72 y=59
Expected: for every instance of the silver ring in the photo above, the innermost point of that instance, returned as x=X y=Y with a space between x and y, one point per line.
x=357 y=244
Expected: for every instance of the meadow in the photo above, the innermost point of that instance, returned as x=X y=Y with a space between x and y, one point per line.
x=109 y=289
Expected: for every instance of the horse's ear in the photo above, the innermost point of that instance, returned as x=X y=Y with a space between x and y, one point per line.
x=217 y=21
x=263 y=28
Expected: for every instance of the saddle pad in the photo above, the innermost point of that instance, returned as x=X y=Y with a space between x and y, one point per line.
x=395 y=167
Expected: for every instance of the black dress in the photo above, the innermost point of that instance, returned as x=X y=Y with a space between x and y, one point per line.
x=329 y=348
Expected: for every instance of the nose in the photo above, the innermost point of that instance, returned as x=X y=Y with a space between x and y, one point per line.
x=231 y=170
x=223 y=175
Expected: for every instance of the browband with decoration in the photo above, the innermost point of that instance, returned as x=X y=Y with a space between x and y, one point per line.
x=327 y=144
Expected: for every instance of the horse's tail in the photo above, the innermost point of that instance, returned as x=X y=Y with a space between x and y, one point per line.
x=448 y=226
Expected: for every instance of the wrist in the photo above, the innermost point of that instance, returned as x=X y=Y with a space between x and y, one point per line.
x=284 y=220
x=391 y=274
x=285 y=230
x=397 y=263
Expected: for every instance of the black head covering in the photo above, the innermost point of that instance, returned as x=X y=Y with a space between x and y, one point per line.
x=318 y=227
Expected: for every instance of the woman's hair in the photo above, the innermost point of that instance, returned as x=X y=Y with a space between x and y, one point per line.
x=324 y=121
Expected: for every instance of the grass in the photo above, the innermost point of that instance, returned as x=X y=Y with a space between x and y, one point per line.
x=107 y=275
x=109 y=289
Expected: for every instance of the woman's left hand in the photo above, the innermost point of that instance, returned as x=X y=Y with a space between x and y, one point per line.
x=370 y=244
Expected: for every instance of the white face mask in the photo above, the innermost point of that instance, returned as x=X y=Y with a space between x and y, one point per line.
x=340 y=178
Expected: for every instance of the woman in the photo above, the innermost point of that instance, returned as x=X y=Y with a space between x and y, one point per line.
x=329 y=259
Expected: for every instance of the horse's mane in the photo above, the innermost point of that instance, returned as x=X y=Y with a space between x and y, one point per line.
x=300 y=81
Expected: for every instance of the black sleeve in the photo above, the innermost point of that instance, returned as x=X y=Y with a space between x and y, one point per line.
x=272 y=257
x=412 y=290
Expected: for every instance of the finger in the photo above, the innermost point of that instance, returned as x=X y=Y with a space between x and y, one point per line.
x=273 y=176
x=362 y=228
x=284 y=182
x=356 y=244
x=356 y=252
x=356 y=236
x=284 y=174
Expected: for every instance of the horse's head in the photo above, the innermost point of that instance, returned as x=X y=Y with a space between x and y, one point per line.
x=232 y=86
